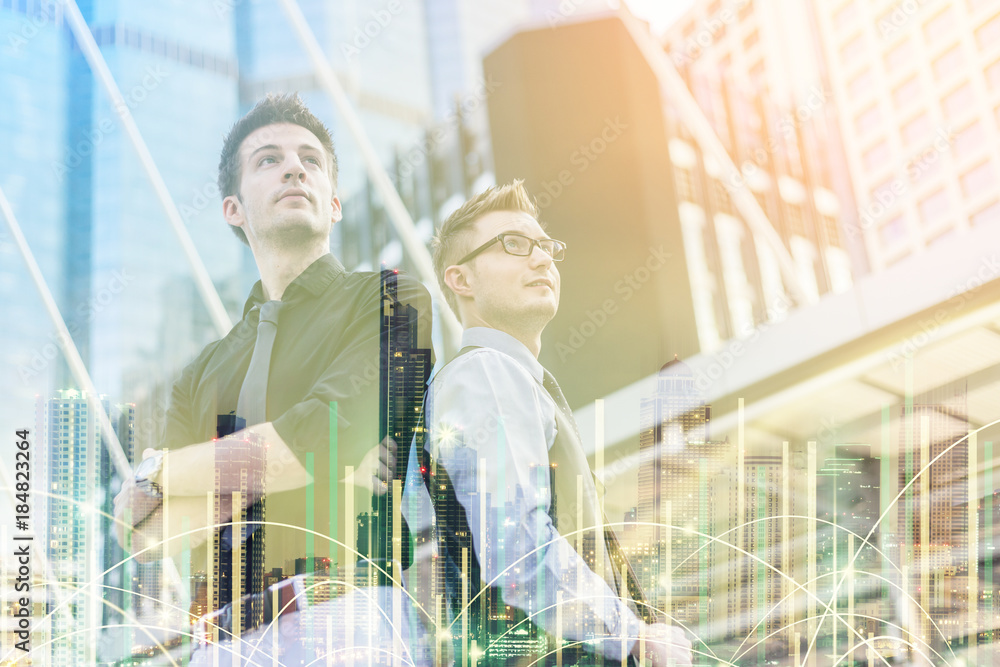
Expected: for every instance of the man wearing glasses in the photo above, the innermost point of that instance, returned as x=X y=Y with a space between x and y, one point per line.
x=528 y=567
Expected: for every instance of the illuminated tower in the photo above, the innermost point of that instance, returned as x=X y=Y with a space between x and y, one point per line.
x=404 y=369
x=80 y=546
x=679 y=494
x=238 y=548
x=756 y=601
x=848 y=498
x=932 y=523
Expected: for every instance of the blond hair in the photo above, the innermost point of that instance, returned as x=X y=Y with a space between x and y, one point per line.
x=451 y=243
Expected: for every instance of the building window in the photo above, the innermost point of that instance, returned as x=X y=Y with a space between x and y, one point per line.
x=868 y=120
x=900 y=57
x=969 y=141
x=846 y=16
x=723 y=203
x=852 y=50
x=993 y=76
x=978 y=180
x=949 y=63
x=917 y=131
x=862 y=85
x=959 y=101
x=795 y=222
x=939 y=26
x=906 y=93
x=935 y=207
x=685 y=184
x=989 y=34
x=988 y=215
x=876 y=157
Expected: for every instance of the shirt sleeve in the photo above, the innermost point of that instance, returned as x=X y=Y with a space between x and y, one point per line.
x=179 y=428
x=491 y=429
x=352 y=378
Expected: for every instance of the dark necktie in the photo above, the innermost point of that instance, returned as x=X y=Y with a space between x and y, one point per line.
x=252 y=404
x=572 y=459
x=551 y=386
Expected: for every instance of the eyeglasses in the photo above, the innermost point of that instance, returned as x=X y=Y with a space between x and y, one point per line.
x=520 y=245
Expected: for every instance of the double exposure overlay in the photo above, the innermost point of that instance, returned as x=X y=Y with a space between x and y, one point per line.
x=499 y=332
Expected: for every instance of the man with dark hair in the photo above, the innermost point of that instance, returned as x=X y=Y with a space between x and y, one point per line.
x=528 y=560
x=275 y=109
x=278 y=423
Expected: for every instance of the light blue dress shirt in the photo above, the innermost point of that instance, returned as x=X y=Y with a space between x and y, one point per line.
x=492 y=424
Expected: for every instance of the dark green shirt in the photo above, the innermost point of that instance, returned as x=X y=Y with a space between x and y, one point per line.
x=326 y=350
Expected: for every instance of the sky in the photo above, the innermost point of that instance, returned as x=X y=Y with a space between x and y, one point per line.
x=659 y=13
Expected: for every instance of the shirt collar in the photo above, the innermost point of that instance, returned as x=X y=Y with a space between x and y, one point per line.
x=313 y=280
x=503 y=342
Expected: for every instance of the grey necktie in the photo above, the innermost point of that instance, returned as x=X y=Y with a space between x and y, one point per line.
x=252 y=404
x=551 y=386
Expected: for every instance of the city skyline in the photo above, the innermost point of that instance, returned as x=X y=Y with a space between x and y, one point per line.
x=833 y=299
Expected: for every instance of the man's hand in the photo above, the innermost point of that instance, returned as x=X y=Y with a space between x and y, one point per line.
x=375 y=472
x=664 y=645
x=130 y=498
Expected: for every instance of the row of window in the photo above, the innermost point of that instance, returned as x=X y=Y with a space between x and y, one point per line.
x=120 y=35
x=142 y=40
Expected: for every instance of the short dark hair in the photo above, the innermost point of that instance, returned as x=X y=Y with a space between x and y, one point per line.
x=271 y=110
x=450 y=243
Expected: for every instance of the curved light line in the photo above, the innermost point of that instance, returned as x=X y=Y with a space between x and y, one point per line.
x=83 y=36
x=738 y=655
x=686 y=530
x=895 y=500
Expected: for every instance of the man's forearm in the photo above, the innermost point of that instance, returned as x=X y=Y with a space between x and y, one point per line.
x=191 y=470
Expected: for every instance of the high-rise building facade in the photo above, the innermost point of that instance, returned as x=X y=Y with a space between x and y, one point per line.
x=917 y=94
x=79 y=543
x=909 y=93
x=683 y=484
x=33 y=133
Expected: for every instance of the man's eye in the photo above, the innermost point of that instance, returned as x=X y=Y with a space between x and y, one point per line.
x=313 y=160
x=267 y=159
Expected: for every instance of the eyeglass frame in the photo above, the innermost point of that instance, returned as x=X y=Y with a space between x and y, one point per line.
x=500 y=237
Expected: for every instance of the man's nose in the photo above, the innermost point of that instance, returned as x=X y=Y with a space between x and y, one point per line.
x=294 y=169
x=539 y=257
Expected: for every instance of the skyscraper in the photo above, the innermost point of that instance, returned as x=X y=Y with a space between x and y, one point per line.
x=917 y=94
x=909 y=93
x=80 y=545
x=683 y=482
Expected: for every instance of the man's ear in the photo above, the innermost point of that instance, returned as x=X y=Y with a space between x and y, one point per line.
x=457 y=279
x=232 y=210
x=338 y=213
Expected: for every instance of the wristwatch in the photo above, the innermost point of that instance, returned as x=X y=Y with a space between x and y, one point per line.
x=147 y=475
